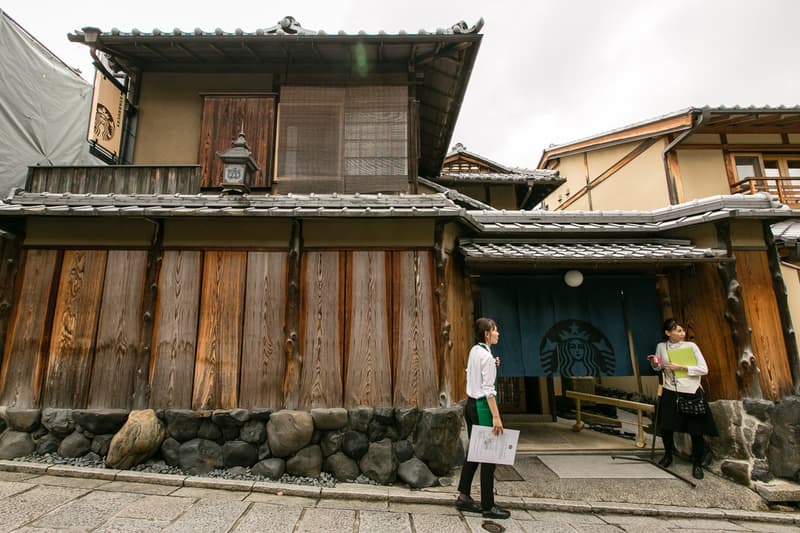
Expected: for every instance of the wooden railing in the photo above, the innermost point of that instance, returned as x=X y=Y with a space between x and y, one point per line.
x=786 y=188
x=616 y=402
x=117 y=179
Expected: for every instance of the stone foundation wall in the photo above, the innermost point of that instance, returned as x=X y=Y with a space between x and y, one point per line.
x=383 y=444
x=759 y=439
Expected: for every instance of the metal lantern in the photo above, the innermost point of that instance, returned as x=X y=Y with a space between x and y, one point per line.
x=238 y=166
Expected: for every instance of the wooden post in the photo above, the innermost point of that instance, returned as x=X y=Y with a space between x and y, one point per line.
x=782 y=300
x=9 y=264
x=631 y=348
x=445 y=345
x=294 y=359
x=747 y=369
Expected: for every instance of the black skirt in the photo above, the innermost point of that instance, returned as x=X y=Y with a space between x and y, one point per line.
x=671 y=420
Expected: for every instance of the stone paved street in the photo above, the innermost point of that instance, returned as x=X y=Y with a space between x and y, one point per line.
x=33 y=502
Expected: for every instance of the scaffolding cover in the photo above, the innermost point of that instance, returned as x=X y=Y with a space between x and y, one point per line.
x=44 y=108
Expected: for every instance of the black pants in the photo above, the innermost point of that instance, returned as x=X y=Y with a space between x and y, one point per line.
x=468 y=472
x=698 y=446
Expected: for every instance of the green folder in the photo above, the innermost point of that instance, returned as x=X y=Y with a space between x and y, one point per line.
x=683 y=357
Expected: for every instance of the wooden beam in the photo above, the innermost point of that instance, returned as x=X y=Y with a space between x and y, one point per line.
x=294 y=359
x=443 y=342
x=733 y=147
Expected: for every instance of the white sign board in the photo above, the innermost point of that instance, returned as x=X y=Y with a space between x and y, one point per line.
x=486 y=447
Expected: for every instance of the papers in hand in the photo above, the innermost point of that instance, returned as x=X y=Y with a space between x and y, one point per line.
x=486 y=447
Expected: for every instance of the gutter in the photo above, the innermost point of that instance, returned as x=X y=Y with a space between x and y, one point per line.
x=671 y=187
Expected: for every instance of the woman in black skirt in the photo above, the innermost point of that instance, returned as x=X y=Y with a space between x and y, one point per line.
x=683 y=366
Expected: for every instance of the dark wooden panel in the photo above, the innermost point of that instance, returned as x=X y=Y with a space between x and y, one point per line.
x=263 y=358
x=368 y=350
x=321 y=338
x=415 y=364
x=223 y=119
x=219 y=338
x=118 y=342
x=69 y=363
x=698 y=300
x=752 y=269
x=460 y=314
x=10 y=255
x=120 y=179
x=24 y=361
x=175 y=330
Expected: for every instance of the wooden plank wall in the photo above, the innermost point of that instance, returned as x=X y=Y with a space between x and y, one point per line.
x=24 y=363
x=367 y=329
x=752 y=270
x=263 y=359
x=119 y=179
x=118 y=342
x=219 y=339
x=698 y=301
x=412 y=308
x=69 y=361
x=368 y=355
x=461 y=317
x=321 y=314
x=175 y=330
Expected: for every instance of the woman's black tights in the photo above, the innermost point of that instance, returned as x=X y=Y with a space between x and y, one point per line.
x=698 y=446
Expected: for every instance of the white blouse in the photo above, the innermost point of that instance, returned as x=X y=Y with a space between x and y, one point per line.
x=481 y=372
x=688 y=384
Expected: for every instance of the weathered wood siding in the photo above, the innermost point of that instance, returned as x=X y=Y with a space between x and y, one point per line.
x=69 y=362
x=119 y=179
x=752 y=268
x=413 y=303
x=321 y=332
x=219 y=339
x=118 y=343
x=263 y=359
x=26 y=345
x=368 y=356
x=175 y=330
x=698 y=300
x=460 y=315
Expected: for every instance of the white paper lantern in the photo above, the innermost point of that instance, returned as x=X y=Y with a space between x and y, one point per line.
x=573 y=278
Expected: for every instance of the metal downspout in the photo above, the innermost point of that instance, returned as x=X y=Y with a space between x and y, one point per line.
x=671 y=187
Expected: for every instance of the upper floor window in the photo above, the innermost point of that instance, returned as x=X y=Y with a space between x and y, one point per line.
x=776 y=174
x=342 y=139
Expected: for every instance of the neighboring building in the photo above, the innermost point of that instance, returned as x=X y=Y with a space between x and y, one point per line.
x=685 y=158
x=45 y=107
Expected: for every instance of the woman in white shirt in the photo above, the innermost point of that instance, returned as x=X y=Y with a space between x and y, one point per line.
x=481 y=409
x=682 y=366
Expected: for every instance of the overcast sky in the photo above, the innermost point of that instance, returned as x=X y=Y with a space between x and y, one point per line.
x=548 y=72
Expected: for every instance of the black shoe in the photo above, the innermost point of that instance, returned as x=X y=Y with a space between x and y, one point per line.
x=665 y=461
x=496 y=512
x=697 y=472
x=468 y=506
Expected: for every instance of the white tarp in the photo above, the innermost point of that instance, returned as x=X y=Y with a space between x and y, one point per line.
x=44 y=108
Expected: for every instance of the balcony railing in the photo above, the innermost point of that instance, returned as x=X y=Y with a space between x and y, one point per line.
x=786 y=188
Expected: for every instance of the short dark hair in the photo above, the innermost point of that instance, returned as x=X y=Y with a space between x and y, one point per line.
x=482 y=325
x=670 y=324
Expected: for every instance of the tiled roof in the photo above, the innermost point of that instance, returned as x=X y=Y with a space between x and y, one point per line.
x=607 y=251
x=535 y=176
x=760 y=206
x=454 y=195
x=787 y=232
x=303 y=205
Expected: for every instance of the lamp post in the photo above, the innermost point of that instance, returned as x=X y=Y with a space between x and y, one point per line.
x=237 y=166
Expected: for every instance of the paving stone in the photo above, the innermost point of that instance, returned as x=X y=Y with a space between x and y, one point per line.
x=326 y=521
x=138 y=488
x=274 y=499
x=75 y=471
x=555 y=516
x=90 y=511
x=475 y=524
x=356 y=491
x=209 y=494
x=160 y=508
x=358 y=505
x=148 y=477
x=64 y=481
x=768 y=527
x=539 y=526
x=8 y=488
x=23 y=507
x=213 y=483
x=430 y=523
x=596 y=528
x=21 y=466
x=421 y=508
x=127 y=525
x=287 y=489
x=634 y=521
x=705 y=523
x=383 y=521
x=17 y=476
x=209 y=515
x=267 y=517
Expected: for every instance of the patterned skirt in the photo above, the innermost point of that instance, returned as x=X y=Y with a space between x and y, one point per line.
x=670 y=419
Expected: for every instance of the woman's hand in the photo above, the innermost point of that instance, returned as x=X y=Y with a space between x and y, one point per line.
x=676 y=368
x=496 y=361
x=497 y=425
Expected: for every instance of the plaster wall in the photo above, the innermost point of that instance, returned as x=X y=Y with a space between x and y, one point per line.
x=754 y=138
x=639 y=185
x=570 y=167
x=170 y=112
x=702 y=173
x=791 y=277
